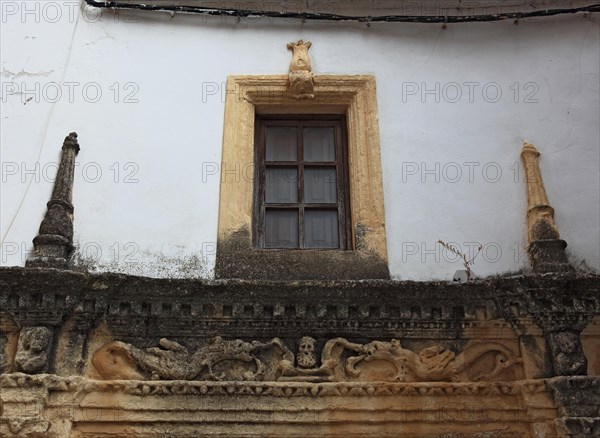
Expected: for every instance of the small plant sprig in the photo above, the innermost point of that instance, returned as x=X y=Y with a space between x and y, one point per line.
x=466 y=263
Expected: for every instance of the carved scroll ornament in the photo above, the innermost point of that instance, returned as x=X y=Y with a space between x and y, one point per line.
x=341 y=361
x=219 y=360
x=389 y=361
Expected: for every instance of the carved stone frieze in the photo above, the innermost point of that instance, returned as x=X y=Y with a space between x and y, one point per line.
x=342 y=361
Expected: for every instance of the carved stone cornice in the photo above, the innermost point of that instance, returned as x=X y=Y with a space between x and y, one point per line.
x=191 y=308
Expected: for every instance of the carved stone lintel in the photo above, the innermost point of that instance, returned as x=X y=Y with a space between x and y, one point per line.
x=54 y=242
x=546 y=249
x=300 y=77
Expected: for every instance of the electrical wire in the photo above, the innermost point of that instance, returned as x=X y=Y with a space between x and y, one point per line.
x=305 y=16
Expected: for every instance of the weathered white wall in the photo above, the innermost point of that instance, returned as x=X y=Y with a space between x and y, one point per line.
x=146 y=188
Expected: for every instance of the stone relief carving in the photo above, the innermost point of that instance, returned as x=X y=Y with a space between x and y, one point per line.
x=300 y=77
x=32 y=349
x=567 y=353
x=342 y=361
x=388 y=361
x=219 y=360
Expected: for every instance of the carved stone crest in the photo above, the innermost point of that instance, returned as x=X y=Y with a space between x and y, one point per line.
x=300 y=77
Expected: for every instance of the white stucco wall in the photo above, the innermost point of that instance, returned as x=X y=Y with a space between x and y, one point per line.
x=146 y=191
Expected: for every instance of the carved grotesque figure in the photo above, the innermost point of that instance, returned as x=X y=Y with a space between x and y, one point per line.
x=306 y=353
x=32 y=350
x=300 y=76
x=569 y=359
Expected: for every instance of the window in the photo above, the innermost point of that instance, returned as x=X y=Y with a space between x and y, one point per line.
x=301 y=197
x=264 y=100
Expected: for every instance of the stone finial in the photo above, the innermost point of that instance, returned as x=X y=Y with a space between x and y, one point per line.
x=546 y=249
x=54 y=242
x=300 y=76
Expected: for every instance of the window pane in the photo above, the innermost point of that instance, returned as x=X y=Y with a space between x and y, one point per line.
x=281 y=229
x=319 y=144
x=281 y=143
x=320 y=184
x=281 y=184
x=321 y=229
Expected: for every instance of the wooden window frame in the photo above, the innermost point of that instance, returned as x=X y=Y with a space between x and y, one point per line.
x=342 y=184
x=355 y=97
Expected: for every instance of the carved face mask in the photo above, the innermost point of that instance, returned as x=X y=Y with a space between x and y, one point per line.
x=306 y=352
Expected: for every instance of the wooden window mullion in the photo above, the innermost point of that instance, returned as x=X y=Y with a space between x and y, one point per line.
x=301 y=184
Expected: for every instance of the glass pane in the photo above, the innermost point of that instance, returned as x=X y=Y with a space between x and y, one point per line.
x=321 y=229
x=281 y=230
x=281 y=184
x=281 y=143
x=320 y=184
x=319 y=144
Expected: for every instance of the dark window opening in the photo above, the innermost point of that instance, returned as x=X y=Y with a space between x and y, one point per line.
x=301 y=195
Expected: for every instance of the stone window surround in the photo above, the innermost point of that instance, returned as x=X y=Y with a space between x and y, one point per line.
x=351 y=95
